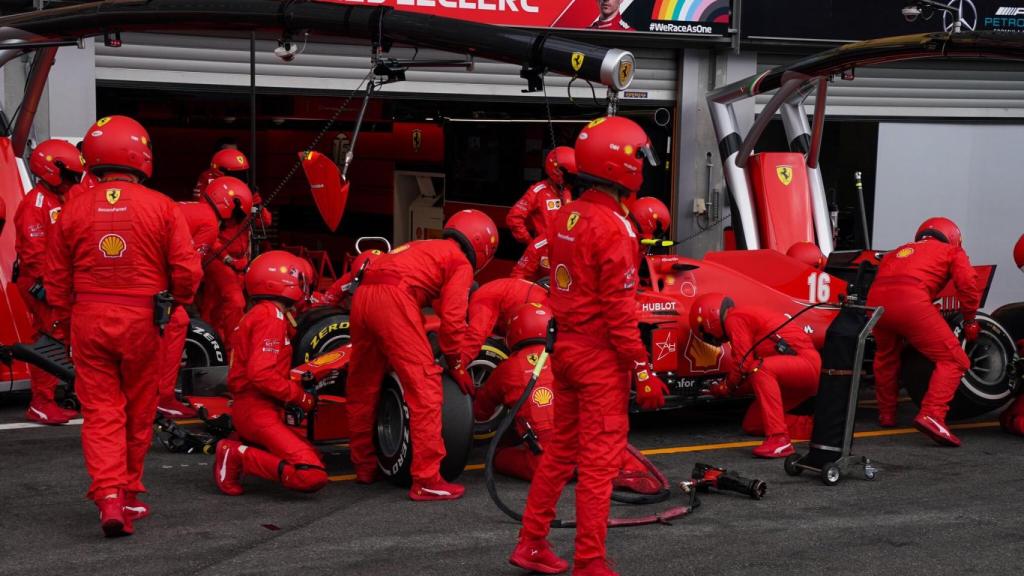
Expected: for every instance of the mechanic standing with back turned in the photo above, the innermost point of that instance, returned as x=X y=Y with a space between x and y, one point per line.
x=594 y=257
x=116 y=249
x=908 y=281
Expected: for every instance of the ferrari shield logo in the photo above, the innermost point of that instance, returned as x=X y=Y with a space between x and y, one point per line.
x=577 y=61
x=532 y=359
x=785 y=174
x=574 y=218
x=113 y=195
x=417 y=139
x=625 y=72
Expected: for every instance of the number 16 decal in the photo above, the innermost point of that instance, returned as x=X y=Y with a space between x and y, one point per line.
x=819 y=288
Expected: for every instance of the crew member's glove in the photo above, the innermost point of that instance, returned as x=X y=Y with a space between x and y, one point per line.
x=971 y=330
x=458 y=373
x=236 y=264
x=306 y=402
x=650 y=390
x=720 y=389
x=60 y=328
x=37 y=290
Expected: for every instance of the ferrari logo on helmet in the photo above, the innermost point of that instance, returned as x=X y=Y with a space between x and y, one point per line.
x=113 y=195
x=596 y=122
x=417 y=139
x=563 y=279
x=542 y=396
x=112 y=246
x=532 y=359
x=536 y=304
x=574 y=219
x=240 y=160
x=905 y=252
x=785 y=174
x=577 y=61
x=102 y=122
x=625 y=72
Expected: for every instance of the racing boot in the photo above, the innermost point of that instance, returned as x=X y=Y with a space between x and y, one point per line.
x=935 y=429
x=775 y=446
x=46 y=412
x=594 y=567
x=227 y=470
x=435 y=489
x=172 y=408
x=113 y=520
x=537 y=556
x=134 y=509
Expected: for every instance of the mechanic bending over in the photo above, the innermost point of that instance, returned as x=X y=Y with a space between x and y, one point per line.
x=340 y=293
x=58 y=167
x=777 y=361
x=388 y=330
x=908 y=281
x=1012 y=419
x=594 y=257
x=532 y=214
x=116 y=249
x=492 y=305
x=260 y=385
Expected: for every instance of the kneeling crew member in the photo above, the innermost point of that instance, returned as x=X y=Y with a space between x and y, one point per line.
x=260 y=385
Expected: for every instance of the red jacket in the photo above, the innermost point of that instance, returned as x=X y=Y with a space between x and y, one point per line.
x=594 y=258
x=534 y=264
x=36 y=215
x=534 y=211
x=203 y=225
x=507 y=383
x=747 y=324
x=261 y=356
x=929 y=265
x=615 y=23
x=429 y=270
x=120 y=239
x=492 y=305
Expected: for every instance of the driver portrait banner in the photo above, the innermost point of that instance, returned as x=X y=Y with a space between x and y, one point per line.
x=695 y=17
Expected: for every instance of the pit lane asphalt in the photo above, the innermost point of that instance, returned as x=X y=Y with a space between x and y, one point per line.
x=931 y=511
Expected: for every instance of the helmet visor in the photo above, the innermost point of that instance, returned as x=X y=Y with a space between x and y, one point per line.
x=647 y=152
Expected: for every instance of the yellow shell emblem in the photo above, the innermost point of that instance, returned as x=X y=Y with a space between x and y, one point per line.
x=112 y=246
x=563 y=279
x=574 y=219
x=904 y=252
x=113 y=195
x=543 y=397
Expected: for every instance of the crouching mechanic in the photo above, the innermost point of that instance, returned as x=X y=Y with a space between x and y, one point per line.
x=388 y=330
x=58 y=167
x=778 y=361
x=114 y=249
x=525 y=338
x=492 y=305
x=260 y=385
x=593 y=255
x=530 y=216
x=908 y=281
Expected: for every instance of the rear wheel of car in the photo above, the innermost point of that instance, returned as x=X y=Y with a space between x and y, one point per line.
x=986 y=386
x=319 y=331
x=204 y=363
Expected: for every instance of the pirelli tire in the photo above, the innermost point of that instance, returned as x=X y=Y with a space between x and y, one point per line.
x=988 y=385
x=492 y=353
x=319 y=331
x=392 y=435
x=203 y=346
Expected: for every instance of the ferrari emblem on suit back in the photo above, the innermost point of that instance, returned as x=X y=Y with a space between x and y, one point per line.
x=113 y=195
x=785 y=174
x=571 y=222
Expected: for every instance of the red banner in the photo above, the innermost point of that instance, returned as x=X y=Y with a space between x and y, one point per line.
x=704 y=17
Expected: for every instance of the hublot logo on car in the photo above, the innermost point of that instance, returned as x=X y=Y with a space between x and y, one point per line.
x=659 y=307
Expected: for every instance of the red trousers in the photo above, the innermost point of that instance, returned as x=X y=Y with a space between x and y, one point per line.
x=43 y=383
x=223 y=302
x=275 y=451
x=116 y=354
x=781 y=384
x=1012 y=419
x=173 y=347
x=910 y=318
x=591 y=428
x=520 y=462
x=387 y=333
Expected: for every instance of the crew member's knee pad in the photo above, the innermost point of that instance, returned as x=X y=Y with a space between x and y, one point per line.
x=303 y=477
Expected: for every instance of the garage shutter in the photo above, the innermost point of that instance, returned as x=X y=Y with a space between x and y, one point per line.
x=224 y=63
x=922 y=89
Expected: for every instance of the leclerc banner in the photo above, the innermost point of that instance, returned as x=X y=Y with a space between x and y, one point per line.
x=703 y=17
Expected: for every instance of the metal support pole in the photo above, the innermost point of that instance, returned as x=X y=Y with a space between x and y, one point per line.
x=252 y=109
x=30 y=102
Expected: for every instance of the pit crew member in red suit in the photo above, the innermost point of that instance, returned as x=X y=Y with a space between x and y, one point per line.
x=223 y=303
x=530 y=216
x=114 y=248
x=908 y=281
x=388 y=330
x=491 y=307
x=58 y=167
x=781 y=365
x=340 y=293
x=260 y=385
x=533 y=265
x=1012 y=418
x=594 y=258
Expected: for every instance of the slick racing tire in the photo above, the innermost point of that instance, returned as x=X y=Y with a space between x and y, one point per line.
x=203 y=363
x=393 y=440
x=989 y=383
x=491 y=354
x=320 y=330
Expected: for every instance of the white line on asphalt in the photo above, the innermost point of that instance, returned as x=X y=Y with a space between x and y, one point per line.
x=21 y=425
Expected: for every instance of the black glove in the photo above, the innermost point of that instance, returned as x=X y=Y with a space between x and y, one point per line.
x=38 y=291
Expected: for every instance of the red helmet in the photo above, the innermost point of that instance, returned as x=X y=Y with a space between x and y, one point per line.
x=476 y=234
x=308 y=273
x=1018 y=253
x=560 y=161
x=651 y=216
x=707 y=317
x=278 y=275
x=56 y=162
x=528 y=325
x=942 y=229
x=118 y=143
x=229 y=160
x=229 y=196
x=610 y=151
x=366 y=257
x=808 y=253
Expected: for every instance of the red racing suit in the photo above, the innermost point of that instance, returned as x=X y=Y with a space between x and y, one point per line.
x=782 y=381
x=593 y=255
x=115 y=247
x=533 y=264
x=533 y=212
x=202 y=226
x=223 y=299
x=491 y=307
x=260 y=386
x=36 y=215
x=614 y=23
x=388 y=330
x=908 y=281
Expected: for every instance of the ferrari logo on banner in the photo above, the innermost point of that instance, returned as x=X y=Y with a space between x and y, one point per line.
x=417 y=139
x=577 y=61
x=574 y=218
x=113 y=195
x=785 y=174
